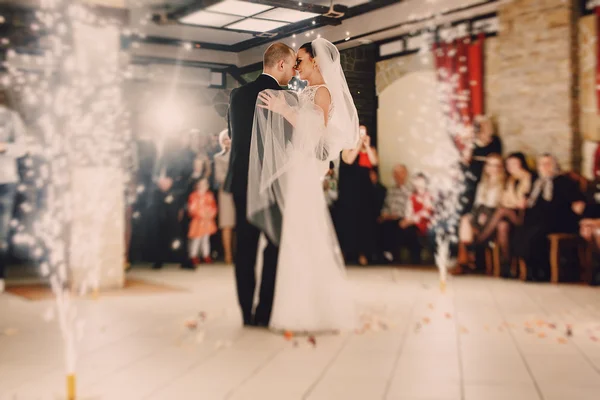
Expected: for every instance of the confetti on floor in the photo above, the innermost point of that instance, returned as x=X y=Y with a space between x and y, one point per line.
x=569 y=331
x=562 y=340
x=10 y=331
x=191 y=324
x=312 y=340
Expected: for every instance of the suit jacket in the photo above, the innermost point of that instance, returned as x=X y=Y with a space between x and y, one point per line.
x=177 y=163
x=241 y=118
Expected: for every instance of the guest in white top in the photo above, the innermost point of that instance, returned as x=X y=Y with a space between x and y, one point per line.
x=488 y=198
x=512 y=208
x=226 y=205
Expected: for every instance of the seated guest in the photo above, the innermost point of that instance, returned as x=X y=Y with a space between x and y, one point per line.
x=380 y=193
x=512 y=208
x=378 y=199
x=394 y=209
x=487 y=199
x=589 y=228
x=554 y=206
x=330 y=186
x=415 y=223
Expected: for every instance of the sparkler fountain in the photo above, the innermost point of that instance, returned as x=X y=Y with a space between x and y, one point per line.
x=84 y=143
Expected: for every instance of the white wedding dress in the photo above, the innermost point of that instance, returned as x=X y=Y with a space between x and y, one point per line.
x=286 y=200
x=312 y=293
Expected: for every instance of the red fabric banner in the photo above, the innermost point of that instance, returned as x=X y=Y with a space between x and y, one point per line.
x=598 y=56
x=476 y=79
x=459 y=70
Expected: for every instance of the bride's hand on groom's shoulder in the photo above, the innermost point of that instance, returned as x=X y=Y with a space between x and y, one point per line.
x=273 y=101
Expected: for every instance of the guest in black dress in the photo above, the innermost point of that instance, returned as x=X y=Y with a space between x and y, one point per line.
x=554 y=206
x=484 y=142
x=356 y=199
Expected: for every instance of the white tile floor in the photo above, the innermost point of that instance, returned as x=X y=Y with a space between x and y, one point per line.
x=483 y=339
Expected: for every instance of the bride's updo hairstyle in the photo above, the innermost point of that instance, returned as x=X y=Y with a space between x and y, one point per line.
x=308 y=47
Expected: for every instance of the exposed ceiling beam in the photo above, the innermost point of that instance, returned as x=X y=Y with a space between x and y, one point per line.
x=387 y=21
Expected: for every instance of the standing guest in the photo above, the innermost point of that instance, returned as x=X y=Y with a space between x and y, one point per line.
x=171 y=182
x=356 y=196
x=202 y=209
x=394 y=210
x=12 y=147
x=482 y=143
x=226 y=206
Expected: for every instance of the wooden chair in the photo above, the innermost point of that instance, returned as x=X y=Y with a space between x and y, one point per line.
x=492 y=260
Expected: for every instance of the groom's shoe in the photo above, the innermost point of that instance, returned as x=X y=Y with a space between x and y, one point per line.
x=261 y=324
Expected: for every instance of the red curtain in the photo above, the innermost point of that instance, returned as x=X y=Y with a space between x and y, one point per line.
x=459 y=67
x=476 y=56
x=598 y=56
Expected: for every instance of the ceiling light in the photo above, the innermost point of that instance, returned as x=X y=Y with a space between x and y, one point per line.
x=188 y=46
x=314 y=22
x=236 y=7
x=256 y=25
x=294 y=35
x=287 y=15
x=209 y=19
x=293 y=44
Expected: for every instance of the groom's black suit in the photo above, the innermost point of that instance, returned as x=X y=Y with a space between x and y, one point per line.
x=241 y=118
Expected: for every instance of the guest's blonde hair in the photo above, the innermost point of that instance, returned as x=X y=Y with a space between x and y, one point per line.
x=486 y=180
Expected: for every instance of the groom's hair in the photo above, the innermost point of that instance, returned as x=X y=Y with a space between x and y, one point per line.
x=275 y=53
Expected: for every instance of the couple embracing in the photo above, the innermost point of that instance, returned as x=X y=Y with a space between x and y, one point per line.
x=282 y=143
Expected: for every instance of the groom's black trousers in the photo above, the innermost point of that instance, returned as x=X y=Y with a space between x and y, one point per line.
x=245 y=267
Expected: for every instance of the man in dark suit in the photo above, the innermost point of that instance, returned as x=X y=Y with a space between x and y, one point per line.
x=278 y=69
x=170 y=181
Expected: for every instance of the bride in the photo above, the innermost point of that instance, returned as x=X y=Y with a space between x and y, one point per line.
x=295 y=136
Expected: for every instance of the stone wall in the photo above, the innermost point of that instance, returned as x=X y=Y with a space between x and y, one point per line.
x=358 y=64
x=532 y=85
x=588 y=102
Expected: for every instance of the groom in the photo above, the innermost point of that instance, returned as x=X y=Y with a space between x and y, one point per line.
x=278 y=69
